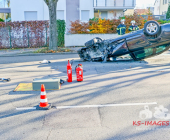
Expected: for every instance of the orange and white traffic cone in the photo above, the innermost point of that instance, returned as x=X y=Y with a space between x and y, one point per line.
x=43 y=100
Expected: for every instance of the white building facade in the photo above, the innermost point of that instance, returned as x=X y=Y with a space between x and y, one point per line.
x=164 y=6
x=70 y=10
x=157 y=7
x=84 y=9
x=161 y=7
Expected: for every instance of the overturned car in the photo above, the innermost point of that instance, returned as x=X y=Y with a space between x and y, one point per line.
x=152 y=40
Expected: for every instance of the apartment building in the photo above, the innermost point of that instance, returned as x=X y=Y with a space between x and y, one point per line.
x=157 y=7
x=112 y=9
x=164 y=6
x=5 y=11
x=161 y=7
x=70 y=10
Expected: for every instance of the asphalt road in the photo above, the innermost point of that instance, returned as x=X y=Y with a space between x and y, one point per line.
x=123 y=85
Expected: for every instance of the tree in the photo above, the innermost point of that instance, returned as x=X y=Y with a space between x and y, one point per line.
x=1 y=20
x=52 y=7
x=168 y=13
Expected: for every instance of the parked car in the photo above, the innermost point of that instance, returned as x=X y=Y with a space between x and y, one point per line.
x=152 y=40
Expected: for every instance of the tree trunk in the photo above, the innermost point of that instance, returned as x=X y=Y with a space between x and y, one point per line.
x=52 y=6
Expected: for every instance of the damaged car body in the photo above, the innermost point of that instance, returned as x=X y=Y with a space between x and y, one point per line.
x=152 y=40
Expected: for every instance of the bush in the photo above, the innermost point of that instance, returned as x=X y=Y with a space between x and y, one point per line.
x=163 y=21
x=102 y=26
x=28 y=34
x=1 y=20
x=61 y=31
x=78 y=27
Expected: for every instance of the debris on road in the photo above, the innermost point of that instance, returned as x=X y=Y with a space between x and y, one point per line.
x=45 y=62
x=5 y=79
x=61 y=81
x=49 y=83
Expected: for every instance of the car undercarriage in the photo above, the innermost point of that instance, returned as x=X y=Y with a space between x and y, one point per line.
x=153 y=40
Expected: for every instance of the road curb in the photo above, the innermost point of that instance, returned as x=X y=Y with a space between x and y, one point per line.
x=37 y=54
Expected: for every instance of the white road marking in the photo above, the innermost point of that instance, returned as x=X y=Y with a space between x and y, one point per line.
x=161 y=70
x=107 y=105
x=27 y=108
x=92 y=106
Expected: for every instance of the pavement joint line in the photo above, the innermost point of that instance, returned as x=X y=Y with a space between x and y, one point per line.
x=93 y=106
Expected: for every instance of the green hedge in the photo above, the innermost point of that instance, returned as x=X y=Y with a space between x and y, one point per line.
x=163 y=21
x=61 y=26
x=1 y=20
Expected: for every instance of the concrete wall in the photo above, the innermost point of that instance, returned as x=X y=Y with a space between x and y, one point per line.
x=81 y=39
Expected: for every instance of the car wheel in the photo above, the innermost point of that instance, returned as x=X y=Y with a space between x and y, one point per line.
x=151 y=28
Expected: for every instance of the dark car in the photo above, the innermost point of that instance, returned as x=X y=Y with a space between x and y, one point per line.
x=152 y=40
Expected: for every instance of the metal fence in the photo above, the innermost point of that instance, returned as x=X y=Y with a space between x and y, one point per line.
x=24 y=35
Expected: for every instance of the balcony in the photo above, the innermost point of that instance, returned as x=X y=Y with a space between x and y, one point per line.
x=114 y=4
x=4 y=3
x=5 y=6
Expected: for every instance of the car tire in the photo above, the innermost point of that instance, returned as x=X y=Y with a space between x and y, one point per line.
x=151 y=28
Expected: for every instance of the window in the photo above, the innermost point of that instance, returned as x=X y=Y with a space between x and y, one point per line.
x=143 y=53
x=60 y=14
x=85 y=15
x=104 y=15
x=119 y=3
x=129 y=3
x=5 y=16
x=100 y=2
x=30 y=15
x=96 y=14
x=110 y=3
x=165 y=1
x=4 y=3
x=160 y=49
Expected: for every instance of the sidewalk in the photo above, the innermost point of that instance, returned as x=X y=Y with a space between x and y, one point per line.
x=30 y=51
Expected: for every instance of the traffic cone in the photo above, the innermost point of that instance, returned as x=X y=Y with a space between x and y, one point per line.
x=43 y=100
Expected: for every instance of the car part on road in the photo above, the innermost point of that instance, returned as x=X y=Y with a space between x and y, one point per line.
x=45 y=62
x=50 y=84
x=5 y=79
x=61 y=81
x=153 y=40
